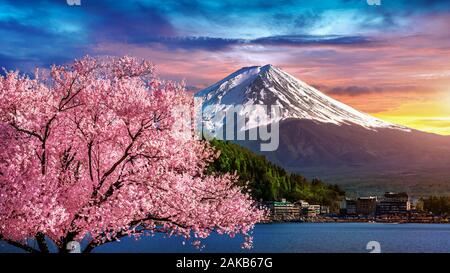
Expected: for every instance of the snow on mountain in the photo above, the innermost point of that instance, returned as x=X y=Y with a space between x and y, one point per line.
x=269 y=85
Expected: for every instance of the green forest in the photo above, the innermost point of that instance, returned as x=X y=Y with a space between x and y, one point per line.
x=436 y=204
x=269 y=182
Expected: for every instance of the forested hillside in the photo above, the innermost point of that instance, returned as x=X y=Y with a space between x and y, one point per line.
x=268 y=181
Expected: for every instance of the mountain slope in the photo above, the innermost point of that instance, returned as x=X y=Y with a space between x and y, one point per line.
x=268 y=85
x=321 y=137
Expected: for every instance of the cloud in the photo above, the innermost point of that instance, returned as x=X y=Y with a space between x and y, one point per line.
x=214 y=43
x=356 y=90
x=56 y=30
x=351 y=90
x=195 y=43
x=304 y=40
x=133 y=22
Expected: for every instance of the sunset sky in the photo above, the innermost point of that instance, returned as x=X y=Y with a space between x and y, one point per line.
x=392 y=60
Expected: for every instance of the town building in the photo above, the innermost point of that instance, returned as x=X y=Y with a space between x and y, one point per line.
x=343 y=206
x=324 y=209
x=313 y=210
x=316 y=208
x=350 y=206
x=302 y=204
x=393 y=203
x=283 y=211
x=366 y=205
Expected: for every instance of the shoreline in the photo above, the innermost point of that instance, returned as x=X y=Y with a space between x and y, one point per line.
x=379 y=220
x=354 y=222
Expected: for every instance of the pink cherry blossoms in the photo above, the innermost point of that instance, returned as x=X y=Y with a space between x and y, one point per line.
x=89 y=151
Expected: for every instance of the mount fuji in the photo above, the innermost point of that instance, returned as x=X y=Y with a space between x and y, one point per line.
x=322 y=137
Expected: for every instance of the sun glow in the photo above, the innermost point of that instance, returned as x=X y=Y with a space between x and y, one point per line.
x=430 y=116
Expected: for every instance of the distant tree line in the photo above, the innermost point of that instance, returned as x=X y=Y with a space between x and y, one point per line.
x=268 y=181
x=436 y=204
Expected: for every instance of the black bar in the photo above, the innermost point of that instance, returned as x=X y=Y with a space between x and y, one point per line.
x=219 y=262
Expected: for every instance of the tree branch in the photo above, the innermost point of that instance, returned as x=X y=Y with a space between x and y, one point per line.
x=95 y=243
x=117 y=163
x=31 y=133
x=19 y=245
x=90 y=160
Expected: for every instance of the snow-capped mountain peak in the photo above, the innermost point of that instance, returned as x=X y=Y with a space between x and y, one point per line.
x=269 y=85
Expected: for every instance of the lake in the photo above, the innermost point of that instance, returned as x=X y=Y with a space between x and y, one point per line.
x=303 y=237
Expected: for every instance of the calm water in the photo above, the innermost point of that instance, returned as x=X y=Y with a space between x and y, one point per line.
x=312 y=237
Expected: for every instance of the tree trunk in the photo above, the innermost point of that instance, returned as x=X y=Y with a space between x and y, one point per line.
x=40 y=239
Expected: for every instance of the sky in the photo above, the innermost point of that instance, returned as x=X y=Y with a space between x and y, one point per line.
x=390 y=60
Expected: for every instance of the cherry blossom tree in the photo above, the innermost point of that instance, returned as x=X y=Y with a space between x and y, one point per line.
x=90 y=151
